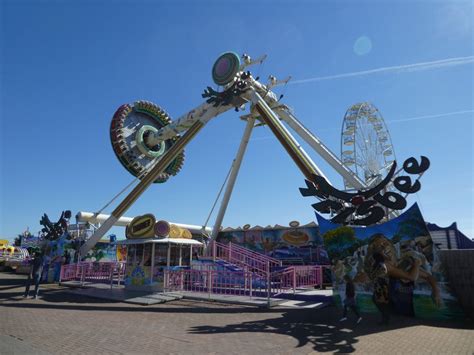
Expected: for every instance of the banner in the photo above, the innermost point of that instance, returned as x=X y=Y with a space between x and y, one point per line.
x=405 y=243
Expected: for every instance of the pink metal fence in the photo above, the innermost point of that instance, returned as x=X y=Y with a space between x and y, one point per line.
x=214 y=281
x=206 y=280
x=105 y=272
x=243 y=283
x=68 y=272
x=294 y=277
x=243 y=257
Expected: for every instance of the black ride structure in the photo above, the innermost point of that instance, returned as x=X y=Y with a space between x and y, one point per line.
x=369 y=206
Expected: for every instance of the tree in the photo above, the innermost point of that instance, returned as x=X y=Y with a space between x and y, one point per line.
x=340 y=242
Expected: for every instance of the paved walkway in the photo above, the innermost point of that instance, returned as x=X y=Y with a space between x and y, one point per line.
x=64 y=323
x=303 y=298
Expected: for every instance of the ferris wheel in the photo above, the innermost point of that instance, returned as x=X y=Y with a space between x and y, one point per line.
x=366 y=146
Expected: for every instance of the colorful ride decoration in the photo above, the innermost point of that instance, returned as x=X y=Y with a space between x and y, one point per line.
x=178 y=232
x=402 y=240
x=225 y=68
x=130 y=127
x=162 y=228
x=369 y=206
x=292 y=245
x=137 y=276
x=6 y=249
x=146 y=226
x=141 y=227
x=53 y=231
x=296 y=238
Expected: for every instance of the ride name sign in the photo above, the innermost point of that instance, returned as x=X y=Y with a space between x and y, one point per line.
x=141 y=227
x=369 y=206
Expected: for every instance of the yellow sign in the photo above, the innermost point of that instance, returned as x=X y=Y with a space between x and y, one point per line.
x=141 y=227
x=178 y=232
x=296 y=238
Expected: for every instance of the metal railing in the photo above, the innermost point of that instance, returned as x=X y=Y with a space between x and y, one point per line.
x=207 y=279
x=220 y=282
x=96 y=272
x=247 y=259
x=242 y=283
x=294 y=277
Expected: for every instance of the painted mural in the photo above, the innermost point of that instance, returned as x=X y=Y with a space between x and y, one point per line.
x=417 y=280
x=296 y=245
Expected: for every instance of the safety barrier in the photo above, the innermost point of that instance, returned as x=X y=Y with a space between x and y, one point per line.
x=97 y=272
x=205 y=279
x=243 y=257
x=294 y=277
x=214 y=282
x=68 y=272
x=243 y=283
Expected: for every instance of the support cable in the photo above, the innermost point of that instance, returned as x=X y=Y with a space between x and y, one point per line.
x=218 y=195
x=143 y=173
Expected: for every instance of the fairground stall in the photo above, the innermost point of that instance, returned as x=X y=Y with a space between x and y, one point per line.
x=153 y=248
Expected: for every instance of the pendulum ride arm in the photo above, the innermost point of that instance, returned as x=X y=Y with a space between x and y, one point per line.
x=232 y=177
x=302 y=160
x=165 y=160
x=284 y=114
x=320 y=148
x=203 y=113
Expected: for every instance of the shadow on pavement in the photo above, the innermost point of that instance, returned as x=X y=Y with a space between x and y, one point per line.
x=322 y=328
x=18 y=281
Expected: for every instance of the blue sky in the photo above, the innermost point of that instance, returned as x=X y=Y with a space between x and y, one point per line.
x=66 y=66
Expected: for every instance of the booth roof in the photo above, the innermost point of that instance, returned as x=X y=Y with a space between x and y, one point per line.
x=182 y=241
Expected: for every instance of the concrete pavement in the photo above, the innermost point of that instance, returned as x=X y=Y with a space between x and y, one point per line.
x=64 y=323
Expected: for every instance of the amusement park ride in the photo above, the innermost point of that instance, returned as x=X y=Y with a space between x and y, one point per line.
x=151 y=147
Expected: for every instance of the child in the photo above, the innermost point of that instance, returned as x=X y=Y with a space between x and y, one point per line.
x=350 y=300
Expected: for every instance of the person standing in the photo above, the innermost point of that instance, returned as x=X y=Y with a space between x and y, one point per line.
x=36 y=271
x=380 y=279
x=350 y=301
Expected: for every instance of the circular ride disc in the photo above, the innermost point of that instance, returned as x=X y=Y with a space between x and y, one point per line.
x=175 y=231
x=129 y=128
x=225 y=68
x=162 y=228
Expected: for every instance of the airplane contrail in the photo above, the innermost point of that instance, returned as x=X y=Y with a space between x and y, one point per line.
x=430 y=116
x=450 y=62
